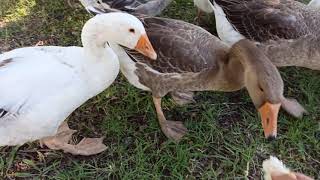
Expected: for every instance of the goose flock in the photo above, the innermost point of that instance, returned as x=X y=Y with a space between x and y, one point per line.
x=162 y=56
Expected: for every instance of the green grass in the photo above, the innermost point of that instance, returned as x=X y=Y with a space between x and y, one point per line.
x=225 y=139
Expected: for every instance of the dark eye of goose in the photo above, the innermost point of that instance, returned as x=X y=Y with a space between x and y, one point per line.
x=131 y=30
x=261 y=89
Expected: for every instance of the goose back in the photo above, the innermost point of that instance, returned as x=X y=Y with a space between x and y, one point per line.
x=179 y=46
x=151 y=7
x=262 y=20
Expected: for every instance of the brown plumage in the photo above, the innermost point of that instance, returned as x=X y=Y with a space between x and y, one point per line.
x=301 y=52
x=287 y=30
x=263 y=20
x=191 y=59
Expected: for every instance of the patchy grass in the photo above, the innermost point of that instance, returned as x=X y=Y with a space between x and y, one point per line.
x=225 y=140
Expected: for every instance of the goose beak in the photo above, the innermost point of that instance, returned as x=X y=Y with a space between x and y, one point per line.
x=269 y=118
x=290 y=176
x=144 y=47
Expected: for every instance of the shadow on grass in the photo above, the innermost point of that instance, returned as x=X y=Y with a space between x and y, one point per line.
x=52 y=22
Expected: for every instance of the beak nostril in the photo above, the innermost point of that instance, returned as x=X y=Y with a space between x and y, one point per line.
x=271 y=138
x=268 y=120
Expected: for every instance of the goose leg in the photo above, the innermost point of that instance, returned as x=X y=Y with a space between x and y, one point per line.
x=70 y=4
x=86 y=147
x=198 y=17
x=172 y=129
x=183 y=98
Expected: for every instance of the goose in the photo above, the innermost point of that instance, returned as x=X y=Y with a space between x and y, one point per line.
x=314 y=3
x=42 y=86
x=286 y=30
x=191 y=59
x=202 y=6
x=151 y=7
x=274 y=169
x=263 y=20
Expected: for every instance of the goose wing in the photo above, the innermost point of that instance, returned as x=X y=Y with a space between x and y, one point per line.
x=262 y=20
x=181 y=47
x=152 y=7
x=38 y=90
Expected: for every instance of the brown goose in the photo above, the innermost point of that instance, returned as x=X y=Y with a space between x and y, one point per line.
x=191 y=59
x=287 y=30
x=263 y=20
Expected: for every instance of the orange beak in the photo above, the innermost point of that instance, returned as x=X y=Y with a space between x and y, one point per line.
x=282 y=176
x=144 y=47
x=269 y=118
x=290 y=176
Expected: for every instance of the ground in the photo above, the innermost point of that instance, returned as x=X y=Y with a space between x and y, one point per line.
x=225 y=139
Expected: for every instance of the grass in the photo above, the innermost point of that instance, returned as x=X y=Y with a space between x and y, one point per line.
x=225 y=139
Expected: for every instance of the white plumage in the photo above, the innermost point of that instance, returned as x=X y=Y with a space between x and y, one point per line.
x=314 y=3
x=204 y=5
x=41 y=86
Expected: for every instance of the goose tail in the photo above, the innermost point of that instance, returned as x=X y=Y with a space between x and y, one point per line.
x=151 y=8
x=95 y=7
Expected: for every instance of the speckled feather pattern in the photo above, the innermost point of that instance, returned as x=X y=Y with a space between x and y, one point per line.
x=302 y=52
x=262 y=20
x=182 y=64
x=151 y=7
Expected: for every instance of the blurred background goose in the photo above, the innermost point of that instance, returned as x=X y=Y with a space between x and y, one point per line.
x=263 y=20
x=41 y=86
x=274 y=169
x=202 y=6
x=149 y=7
x=191 y=59
x=314 y=3
x=287 y=30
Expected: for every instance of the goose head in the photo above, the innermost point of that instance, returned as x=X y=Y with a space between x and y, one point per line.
x=265 y=86
x=274 y=169
x=120 y=28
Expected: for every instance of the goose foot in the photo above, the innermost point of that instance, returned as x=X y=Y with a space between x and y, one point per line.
x=86 y=147
x=172 y=129
x=183 y=98
x=71 y=3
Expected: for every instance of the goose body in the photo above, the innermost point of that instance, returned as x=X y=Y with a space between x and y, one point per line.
x=191 y=59
x=148 y=7
x=287 y=30
x=41 y=86
x=184 y=66
x=314 y=3
x=263 y=20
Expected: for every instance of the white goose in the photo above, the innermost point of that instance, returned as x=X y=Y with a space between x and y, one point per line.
x=274 y=169
x=314 y=3
x=41 y=86
x=202 y=6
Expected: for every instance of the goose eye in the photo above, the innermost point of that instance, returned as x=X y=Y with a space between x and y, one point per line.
x=261 y=89
x=131 y=30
